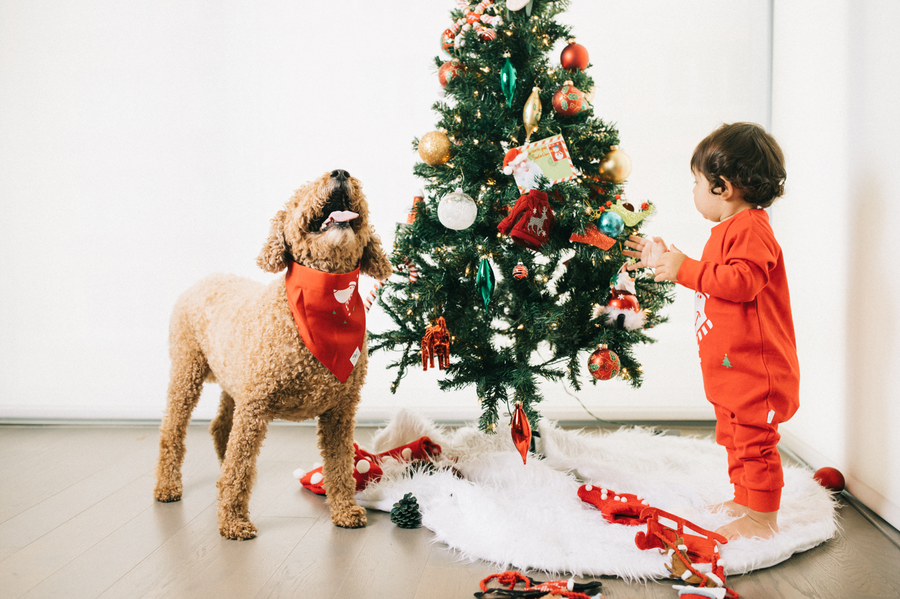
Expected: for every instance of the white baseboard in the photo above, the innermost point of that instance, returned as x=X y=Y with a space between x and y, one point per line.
x=365 y=416
x=868 y=496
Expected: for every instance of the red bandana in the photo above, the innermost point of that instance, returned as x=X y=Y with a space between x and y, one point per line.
x=329 y=314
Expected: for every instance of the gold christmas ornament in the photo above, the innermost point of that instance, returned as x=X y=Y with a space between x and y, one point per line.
x=434 y=148
x=615 y=166
x=531 y=114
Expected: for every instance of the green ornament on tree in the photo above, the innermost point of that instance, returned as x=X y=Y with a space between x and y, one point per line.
x=485 y=281
x=508 y=81
x=405 y=512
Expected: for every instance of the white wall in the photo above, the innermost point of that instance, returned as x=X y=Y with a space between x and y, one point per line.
x=145 y=144
x=837 y=88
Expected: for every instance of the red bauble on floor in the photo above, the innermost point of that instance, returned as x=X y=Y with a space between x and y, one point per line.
x=830 y=478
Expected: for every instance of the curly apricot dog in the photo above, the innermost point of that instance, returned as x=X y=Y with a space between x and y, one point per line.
x=274 y=355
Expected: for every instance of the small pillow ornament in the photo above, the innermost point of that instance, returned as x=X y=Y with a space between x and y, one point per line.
x=530 y=221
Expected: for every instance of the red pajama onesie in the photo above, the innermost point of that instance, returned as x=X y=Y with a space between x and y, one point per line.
x=748 y=354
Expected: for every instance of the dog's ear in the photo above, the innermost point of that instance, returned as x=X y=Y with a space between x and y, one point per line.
x=272 y=256
x=374 y=261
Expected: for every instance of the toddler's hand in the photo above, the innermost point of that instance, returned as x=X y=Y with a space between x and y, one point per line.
x=649 y=251
x=668 y=265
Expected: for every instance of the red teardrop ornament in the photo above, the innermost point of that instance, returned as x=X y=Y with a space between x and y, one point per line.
x=521 y=431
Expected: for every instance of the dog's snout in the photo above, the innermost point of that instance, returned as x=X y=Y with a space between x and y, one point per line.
x=340 y=175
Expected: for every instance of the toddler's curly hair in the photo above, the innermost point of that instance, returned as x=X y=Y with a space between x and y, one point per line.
x=748 y=157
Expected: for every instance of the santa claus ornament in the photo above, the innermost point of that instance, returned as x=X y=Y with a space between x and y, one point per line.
x=530 y=221
x=522 y=168
x=623 y=309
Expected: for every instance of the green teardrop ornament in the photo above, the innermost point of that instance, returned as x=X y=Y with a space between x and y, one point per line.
x=508 y=81
x=485 y=281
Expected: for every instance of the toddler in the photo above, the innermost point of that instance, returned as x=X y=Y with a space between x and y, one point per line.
x=744 y=328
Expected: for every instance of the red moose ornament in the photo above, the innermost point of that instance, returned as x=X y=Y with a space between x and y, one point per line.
x=436 y=344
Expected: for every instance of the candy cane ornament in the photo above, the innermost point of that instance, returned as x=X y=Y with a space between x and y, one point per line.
x=473 y=18
x=411 y=271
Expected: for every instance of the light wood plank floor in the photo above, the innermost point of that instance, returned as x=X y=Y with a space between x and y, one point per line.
x=77 y=519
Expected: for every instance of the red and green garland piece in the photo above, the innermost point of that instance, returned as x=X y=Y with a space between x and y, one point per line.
x=535 y=588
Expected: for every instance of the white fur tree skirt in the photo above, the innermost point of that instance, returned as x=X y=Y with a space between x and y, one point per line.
x=530 y=517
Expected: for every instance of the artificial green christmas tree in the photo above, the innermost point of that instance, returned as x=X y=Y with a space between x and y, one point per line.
x=514 y=262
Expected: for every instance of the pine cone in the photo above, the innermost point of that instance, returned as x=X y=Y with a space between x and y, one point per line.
x=405 y=512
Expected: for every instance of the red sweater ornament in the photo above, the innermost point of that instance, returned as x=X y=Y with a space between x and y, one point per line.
x=530 y=220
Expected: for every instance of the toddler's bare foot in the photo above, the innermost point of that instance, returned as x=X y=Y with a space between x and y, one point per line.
x=752 y=524
x=731 y=507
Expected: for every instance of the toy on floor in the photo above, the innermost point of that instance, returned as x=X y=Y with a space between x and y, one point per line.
x=535 y=588
x=830 y=478
x=367 y=466
x=695 y=558
x=405 y=512
x=617 y=508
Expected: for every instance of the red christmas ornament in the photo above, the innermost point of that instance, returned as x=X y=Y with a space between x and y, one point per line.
x=568 y=100
x=594 y=237
x=830 y=478
x=419 y=196
x=622 y=300
x=436 y=344
x=574 y=56
x=520 y=271
x=447 y=41
x=604 y=363
x=448 y=71
x=521 y=431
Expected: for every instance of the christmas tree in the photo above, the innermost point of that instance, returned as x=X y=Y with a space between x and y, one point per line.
x=513 y=266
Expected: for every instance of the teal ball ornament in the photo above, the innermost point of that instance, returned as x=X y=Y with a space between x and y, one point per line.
x=611 y=224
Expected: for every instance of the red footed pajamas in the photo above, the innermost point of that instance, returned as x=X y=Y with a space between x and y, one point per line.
x=748 y=354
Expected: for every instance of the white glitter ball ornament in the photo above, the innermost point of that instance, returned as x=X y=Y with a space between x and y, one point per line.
x=457 y=210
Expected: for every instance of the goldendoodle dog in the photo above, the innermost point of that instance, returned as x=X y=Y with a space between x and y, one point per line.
x=293 y=349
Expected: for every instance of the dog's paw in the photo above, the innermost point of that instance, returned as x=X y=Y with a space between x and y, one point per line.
x=351 y=516
x=167 y=492
x=238 y=529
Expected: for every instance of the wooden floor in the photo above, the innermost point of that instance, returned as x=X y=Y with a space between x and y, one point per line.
x=77 y=519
